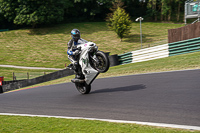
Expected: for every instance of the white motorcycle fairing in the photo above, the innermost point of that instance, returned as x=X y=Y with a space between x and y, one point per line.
x=89 y=72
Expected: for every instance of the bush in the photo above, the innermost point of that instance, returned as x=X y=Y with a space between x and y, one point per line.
x=120 y=22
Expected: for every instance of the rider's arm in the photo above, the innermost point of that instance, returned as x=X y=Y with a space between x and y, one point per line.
x=81 y=40
x=70 y=52
x=69 y=45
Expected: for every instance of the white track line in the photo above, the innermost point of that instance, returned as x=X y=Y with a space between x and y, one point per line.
x=110 y=120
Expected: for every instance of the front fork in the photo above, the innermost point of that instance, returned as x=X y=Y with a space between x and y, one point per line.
x=94 y=57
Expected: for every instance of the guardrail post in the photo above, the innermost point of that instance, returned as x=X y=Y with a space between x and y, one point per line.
x=27 y=75
x=14 y=77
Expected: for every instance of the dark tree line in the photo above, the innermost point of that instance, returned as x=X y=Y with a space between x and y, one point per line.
x=39 y=12
x=165 y=9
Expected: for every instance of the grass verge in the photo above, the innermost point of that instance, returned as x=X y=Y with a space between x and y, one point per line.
x=11 y=124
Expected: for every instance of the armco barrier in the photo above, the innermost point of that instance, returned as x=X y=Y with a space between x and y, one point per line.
x=125 y=58
x=161 y=51
x=146 y=54
x=151 y=53
x=183 y=47
x=114 y=60
x=8 y=86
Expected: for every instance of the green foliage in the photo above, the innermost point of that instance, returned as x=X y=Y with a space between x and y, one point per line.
x=7 y=7
x=152 y=10
x=120 y=22
x=40 y=12
x=89 y=10
x=165 y=9
x=33 y=12
x=1 y=21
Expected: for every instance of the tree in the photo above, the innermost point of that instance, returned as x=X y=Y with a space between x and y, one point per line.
x=180 y=3
x=7 y=8
x=34 y=12
x=120 y=22
x=167 y=9
x=89 y=9
x=152 y=9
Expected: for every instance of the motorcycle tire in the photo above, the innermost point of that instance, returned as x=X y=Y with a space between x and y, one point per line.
x=104 y=62
x=83 y=88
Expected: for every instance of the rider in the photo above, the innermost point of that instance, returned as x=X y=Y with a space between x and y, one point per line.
x=73 y=52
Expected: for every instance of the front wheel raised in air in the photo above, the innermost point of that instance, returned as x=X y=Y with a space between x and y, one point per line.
x=103 y=64
x=83 y=88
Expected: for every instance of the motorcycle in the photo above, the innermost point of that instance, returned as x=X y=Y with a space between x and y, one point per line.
x=91 y=63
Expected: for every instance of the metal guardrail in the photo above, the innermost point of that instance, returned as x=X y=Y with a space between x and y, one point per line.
x=125 y=58
x=151 y=53
x=28 y=75
x=183 y=47
x=146 y=54
x=16 y=84
x=161 y=51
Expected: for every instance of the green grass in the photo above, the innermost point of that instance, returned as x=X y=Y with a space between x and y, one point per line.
x=46 y=47
x=15 y=124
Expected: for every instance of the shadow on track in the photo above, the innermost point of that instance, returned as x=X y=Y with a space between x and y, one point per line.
x=126 y=88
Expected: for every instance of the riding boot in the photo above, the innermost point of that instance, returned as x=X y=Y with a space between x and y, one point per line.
x=77 y=78
x=76 y=70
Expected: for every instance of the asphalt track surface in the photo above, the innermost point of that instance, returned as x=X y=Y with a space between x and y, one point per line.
x=168 y=97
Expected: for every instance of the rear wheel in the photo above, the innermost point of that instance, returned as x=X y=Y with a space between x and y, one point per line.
x=103 y=64
x=83 y=88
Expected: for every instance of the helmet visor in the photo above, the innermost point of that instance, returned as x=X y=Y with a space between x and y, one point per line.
x=77 y=36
